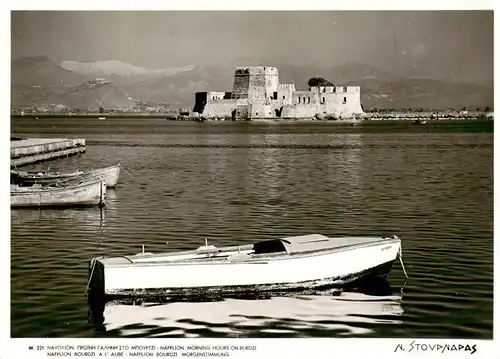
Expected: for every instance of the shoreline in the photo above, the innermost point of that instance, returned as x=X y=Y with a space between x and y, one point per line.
x=182 y=118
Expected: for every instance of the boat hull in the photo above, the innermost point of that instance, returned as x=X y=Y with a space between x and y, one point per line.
x=110 y=174
x=85 y=194
x=338 y=267
x=253 y=291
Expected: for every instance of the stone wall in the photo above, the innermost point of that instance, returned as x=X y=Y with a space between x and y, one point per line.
x=240 y=84
x=304 y=97
x=339 y=104
x=285 y=93
x=300 y=111
x=345 y=103
x=223 y=108
x=262 y=111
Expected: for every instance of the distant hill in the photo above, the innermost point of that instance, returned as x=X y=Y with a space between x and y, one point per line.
x=178 y=89
x=339 y=75
x=120 y=73
x=23 y=96
x=38 y=80
x=114 y=67
x=90 y=95
x=103 y=68
x=423 y=93
x=43 y=72
x=96 y=94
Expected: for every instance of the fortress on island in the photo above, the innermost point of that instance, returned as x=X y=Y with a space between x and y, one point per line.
x=258 y=94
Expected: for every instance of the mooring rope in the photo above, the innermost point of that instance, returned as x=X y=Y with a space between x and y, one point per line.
x=91 y=274
x=401 y=260
x=119 y=165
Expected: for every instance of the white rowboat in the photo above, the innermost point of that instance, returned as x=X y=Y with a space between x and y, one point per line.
x=286 y=263
x=84 y=194
x=110 y=174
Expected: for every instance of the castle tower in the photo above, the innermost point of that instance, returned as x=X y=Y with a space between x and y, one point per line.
x=256 y=83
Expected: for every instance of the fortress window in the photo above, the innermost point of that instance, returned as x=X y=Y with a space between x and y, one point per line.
x=298 y=99
x=283 y=97
x=308 y=100
x=322 y=100
x=344 y=100
x=275 y=95
x=304 y=99
x=345 y=88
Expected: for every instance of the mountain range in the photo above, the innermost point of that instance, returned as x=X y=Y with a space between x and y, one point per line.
x=38 y=81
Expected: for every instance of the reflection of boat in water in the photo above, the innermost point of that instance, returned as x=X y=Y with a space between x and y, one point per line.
x=341 y=313
x=110 y=194
x=289 y=263
x=93 y=216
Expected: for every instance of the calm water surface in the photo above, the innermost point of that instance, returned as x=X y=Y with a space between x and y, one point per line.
x=240 y=183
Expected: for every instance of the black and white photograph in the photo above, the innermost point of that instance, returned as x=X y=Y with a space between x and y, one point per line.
x=251 y=174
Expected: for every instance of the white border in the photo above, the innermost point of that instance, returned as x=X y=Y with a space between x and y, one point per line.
x=314 y=348
x=254 y=5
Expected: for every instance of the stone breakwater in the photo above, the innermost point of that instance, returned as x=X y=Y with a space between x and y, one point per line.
x=364 y=117
x=32 y=150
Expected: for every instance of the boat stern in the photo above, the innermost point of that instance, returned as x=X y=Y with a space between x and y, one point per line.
x=95 y=284
x=102 y=193
x=112 y=174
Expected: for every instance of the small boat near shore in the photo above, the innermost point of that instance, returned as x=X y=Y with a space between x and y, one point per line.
x=110 y=174
x=92 y=193
x=289 y=263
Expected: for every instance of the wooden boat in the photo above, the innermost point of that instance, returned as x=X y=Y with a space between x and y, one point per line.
x=83 y=194
x=288 y=263
x=110 y=174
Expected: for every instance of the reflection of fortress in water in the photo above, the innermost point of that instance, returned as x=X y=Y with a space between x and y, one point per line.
x=257 y=93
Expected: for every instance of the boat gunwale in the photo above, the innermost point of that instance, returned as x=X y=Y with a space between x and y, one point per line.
x=46 y=175
x=256 y=259
x=57 y=175
x=47 y=189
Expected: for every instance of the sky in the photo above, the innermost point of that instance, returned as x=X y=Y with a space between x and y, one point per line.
x=437 y=44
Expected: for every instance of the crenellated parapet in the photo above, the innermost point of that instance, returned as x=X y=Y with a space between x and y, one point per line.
x=256 y=70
